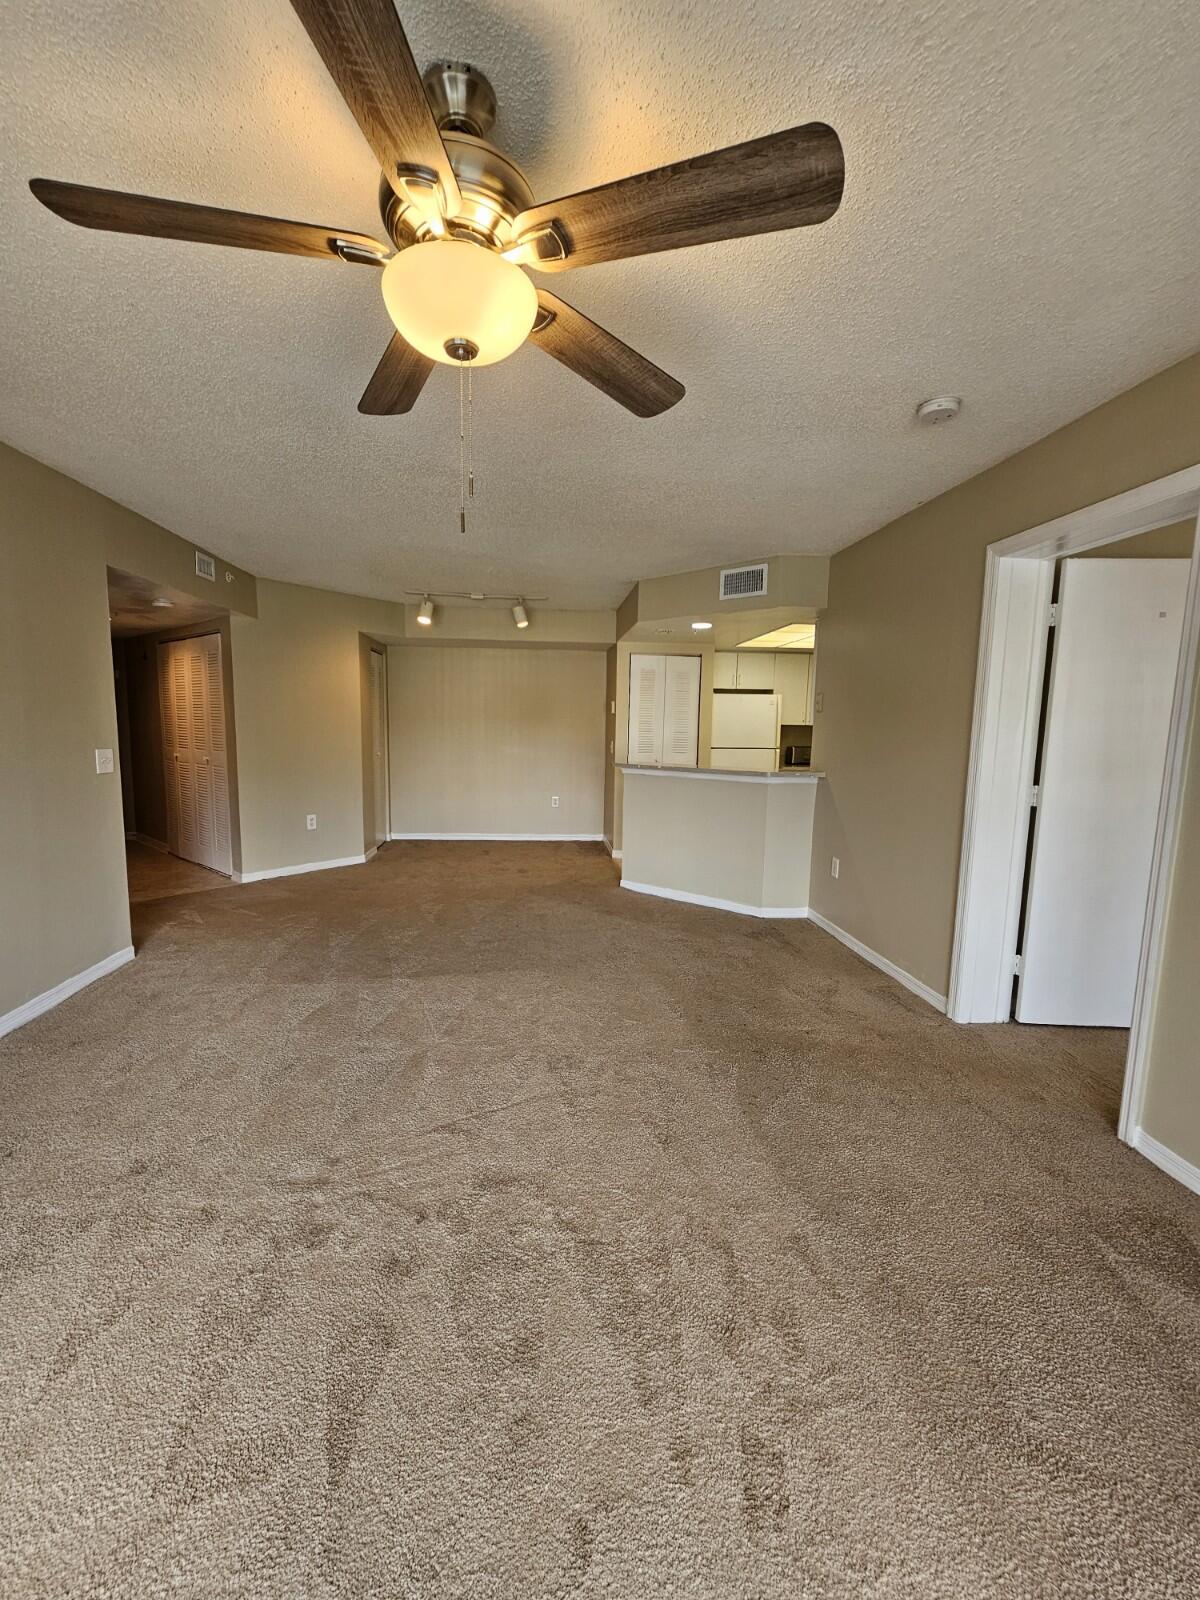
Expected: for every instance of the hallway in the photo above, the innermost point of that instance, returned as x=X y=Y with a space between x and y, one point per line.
x=156 y=875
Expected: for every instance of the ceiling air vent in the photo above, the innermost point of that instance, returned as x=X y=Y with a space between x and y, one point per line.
x=206 y=566
x=739 y=582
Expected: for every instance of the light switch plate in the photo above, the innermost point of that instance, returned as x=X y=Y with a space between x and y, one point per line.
x=819 y=703
x=104 y=760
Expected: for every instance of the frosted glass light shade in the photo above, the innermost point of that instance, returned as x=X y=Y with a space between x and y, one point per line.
x=447 y=289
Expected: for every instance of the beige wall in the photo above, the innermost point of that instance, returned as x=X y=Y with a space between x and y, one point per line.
x=748 y=843
x=1173 y=542
x=794 y=581
x=896 y=668
x=481 y=738
x=297 y=693
x=63 y=901
x=896 y=675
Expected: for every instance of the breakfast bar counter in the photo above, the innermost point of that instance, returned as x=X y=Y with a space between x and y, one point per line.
x=740 y=841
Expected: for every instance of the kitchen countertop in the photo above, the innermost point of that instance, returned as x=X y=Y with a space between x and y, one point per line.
x=780 y=775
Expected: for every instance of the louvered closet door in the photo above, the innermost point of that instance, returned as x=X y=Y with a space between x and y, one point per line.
x=192 y=698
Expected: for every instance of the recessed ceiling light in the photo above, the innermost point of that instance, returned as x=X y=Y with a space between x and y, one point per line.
x=161 y=600
x=701 y=627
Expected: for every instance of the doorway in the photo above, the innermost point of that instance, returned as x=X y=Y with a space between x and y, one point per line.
x=175 y=745
x=1007 y=717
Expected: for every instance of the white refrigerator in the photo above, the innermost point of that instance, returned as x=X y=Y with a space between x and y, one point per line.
x=745 y=731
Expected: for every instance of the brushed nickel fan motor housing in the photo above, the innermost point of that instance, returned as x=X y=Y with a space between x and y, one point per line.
x=493 y=187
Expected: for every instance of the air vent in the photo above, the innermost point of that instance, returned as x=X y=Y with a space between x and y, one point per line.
x=206 y=566
x=739 y=582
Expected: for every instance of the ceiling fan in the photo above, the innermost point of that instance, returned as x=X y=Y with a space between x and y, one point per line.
x=463 y=296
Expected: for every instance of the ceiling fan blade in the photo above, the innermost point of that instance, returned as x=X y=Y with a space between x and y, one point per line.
x=117 y=212
x=396 y=381
x=787 y=180
x=363 y=46
x=601 y=358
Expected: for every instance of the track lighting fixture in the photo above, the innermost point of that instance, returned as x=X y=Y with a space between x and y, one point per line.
x=520 y=615
x=425 y=612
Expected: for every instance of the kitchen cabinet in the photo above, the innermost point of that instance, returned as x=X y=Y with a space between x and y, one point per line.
x=755 y=669
x=794 y=685
x=744 y=669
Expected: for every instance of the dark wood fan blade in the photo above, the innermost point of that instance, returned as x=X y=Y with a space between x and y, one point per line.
x=363 y=46
x=116 y=212
x=787 y=180
x=601 y=358
x=396 y=381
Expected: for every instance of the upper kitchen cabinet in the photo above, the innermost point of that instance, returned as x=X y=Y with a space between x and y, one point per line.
x=755 y=669
x=744 y=669
x=794 y=685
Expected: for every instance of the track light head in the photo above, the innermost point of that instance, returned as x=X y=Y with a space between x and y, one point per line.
x=520 y=615
x=425 y=612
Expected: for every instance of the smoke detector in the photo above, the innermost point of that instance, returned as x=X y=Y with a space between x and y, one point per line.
x=944 y=409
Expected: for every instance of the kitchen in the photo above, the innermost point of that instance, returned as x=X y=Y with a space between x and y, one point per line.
x=718 y=793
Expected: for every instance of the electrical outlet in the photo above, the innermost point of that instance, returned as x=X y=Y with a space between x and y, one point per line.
x=104 y=762
x=835 y=866
x=554 y=800
x=310 y=821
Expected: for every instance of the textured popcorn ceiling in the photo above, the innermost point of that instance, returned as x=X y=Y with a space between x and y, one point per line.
x=1020 y=227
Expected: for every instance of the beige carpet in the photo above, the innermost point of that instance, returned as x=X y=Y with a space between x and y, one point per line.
x=463 y=1226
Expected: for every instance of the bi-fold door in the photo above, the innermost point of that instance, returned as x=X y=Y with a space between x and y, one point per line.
x=664 y=710
x=195 y=760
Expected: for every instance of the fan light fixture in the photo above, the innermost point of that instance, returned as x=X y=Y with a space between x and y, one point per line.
x=520 y=615
x=456 y=301
x=425 y=612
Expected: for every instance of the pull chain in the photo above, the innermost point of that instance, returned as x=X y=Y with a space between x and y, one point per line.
x=462 y=458
x=470 y=435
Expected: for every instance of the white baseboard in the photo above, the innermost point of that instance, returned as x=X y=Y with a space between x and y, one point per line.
x=608 y=845
x=510 y=838
x=1174 y=1166
x=62 y=991
x=713 y=902
x=913 y=985
x=293 y=872
x=371 y=853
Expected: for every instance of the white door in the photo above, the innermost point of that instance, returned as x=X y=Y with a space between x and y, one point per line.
x=379 y=745
x=196 y=769
x=1116 y=648
x=664 y=710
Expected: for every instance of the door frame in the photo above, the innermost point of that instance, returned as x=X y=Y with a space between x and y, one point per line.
x=1008 y=687
x=386 y=827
